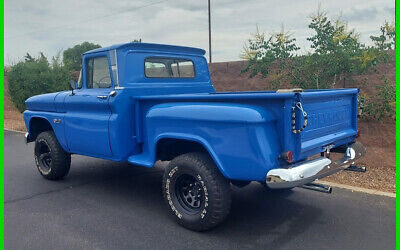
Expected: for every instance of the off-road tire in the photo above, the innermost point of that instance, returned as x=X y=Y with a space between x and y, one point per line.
x=211 y=185
x=57 y=162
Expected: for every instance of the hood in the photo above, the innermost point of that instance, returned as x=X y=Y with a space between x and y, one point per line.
x=43 y=102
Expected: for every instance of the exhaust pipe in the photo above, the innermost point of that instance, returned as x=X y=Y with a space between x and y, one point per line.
x=318 y=187
x=355 y=168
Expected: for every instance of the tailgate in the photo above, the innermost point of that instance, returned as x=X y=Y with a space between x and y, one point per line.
x=332 y=119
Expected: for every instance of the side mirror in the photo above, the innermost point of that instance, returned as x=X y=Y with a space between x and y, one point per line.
x=72 y=86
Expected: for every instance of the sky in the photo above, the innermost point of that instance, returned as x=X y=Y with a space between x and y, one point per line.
x=50 y=26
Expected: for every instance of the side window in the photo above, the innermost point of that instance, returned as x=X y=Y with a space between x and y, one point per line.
x=157 y=67
x=97 y=73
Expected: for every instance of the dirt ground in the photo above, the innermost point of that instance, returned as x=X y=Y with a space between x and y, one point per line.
x=380 y=160
x=12 y=118
x=378 y=136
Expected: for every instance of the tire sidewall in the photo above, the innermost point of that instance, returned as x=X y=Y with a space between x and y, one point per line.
x=61 y=160
x=42 y=139
x=173 y=172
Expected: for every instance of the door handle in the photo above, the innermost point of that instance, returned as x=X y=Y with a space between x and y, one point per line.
x=103 y=97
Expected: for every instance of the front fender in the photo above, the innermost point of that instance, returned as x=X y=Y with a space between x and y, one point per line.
x=58 y=128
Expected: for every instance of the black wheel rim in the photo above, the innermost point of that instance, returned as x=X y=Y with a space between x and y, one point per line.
x=44 y=157
x=190 y=193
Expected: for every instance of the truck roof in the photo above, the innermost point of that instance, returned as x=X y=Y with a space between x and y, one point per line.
x=153 y=47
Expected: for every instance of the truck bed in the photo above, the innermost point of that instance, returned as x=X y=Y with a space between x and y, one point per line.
x=332 y=115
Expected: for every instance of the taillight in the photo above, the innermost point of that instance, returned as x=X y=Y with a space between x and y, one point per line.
x=358 y=133
x=287 y=156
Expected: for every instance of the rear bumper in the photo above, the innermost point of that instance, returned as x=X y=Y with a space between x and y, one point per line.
x=308 y=171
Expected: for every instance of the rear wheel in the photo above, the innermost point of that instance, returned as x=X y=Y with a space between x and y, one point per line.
x=196 y=193
x=51 y=160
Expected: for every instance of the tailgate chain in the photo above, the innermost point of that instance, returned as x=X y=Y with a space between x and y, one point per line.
x=299 y=106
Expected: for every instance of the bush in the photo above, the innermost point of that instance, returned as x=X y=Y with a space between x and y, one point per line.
x=35 y=76
x=380 y=106
x=270 y=57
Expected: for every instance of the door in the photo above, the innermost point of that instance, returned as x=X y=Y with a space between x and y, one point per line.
x=88 y=111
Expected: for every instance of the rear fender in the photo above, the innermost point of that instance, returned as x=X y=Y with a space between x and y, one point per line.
x=241 y=139
x=196 y=139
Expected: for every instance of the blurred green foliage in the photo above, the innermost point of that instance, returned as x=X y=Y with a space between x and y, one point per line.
x=36 y=76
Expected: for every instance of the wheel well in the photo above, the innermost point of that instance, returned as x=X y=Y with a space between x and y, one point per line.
x=168 y=148
x=38 y=125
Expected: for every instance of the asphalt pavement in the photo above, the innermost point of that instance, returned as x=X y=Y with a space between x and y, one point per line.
x=107 y=205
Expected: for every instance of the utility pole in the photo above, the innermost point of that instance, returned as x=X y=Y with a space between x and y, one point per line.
x=209 y=31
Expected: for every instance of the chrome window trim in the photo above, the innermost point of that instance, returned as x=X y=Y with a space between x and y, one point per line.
x=116 y=66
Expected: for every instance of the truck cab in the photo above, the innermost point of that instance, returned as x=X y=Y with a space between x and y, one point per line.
x=140 y=103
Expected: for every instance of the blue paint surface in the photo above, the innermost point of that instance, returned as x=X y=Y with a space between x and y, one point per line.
x=243 y=132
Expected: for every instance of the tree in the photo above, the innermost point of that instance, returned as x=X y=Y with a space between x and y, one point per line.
x=269 y=57
x=338 y=48
x=36 y=76
x=72 y=57
x=387 y=39
x=382 y=43
x=29 y=58
x=336 y=55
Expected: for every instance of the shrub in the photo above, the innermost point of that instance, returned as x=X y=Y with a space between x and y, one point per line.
x=381 y=105
x=35 y=76
x=269 y=57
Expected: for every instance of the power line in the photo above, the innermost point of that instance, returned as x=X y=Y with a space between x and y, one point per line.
x=89 y=19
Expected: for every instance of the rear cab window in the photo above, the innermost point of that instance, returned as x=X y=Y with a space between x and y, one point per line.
x=164 y=67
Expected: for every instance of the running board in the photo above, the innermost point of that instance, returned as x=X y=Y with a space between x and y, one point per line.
x=318 y=187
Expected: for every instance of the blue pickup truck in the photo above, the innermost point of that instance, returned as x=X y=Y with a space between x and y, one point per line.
x=140 y=103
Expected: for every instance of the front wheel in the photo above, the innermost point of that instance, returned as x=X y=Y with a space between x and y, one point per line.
x=51 y=160
x=197 y=194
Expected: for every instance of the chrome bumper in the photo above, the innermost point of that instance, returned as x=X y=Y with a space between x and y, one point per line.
x=308 y=171
x=27 y=137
